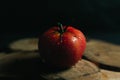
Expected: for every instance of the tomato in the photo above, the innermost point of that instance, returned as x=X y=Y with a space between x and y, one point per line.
x=62 y=46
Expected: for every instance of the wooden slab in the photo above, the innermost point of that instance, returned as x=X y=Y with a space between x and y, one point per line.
x=24 y=63
x=103 y=52
x=13 y=62
x=25 y=44
x=110 y=75
x=21 y=64
x=83 y=70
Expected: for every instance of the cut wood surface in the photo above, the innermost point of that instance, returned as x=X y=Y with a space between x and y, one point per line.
x=110 y=75
x=26 y=44
x=27 y=64
x=103 y=52
x=83 y=70
x=23 y=63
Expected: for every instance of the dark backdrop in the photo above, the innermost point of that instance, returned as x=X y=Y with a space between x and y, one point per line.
x=87 y=15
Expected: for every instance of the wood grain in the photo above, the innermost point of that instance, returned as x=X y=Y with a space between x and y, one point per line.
x=26 y=44
x=25 y=63
x=103 y=52
x=28 y=63
x=83 y=70
x=110 y=75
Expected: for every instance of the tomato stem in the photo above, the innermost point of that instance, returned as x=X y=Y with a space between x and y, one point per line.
x=61 y=31
x=61 y=28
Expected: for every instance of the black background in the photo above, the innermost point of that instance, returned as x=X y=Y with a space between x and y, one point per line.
x=87 y=15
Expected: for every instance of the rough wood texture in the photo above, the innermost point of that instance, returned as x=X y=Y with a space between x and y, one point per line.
x=22 y=62
x=103 y=52
x=27 y=64
x=110 y=75
x=26 y=44
x=18 y=62
x=83 y=70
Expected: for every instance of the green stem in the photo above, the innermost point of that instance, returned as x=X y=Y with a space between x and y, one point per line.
x=61 y=31
x=61 y=28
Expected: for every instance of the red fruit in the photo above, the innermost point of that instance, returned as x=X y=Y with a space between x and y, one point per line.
x=62 y=46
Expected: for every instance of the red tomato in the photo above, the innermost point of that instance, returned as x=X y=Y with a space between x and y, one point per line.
x=62 y=46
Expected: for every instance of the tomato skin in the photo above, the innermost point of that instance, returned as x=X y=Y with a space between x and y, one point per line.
x=62 y=49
